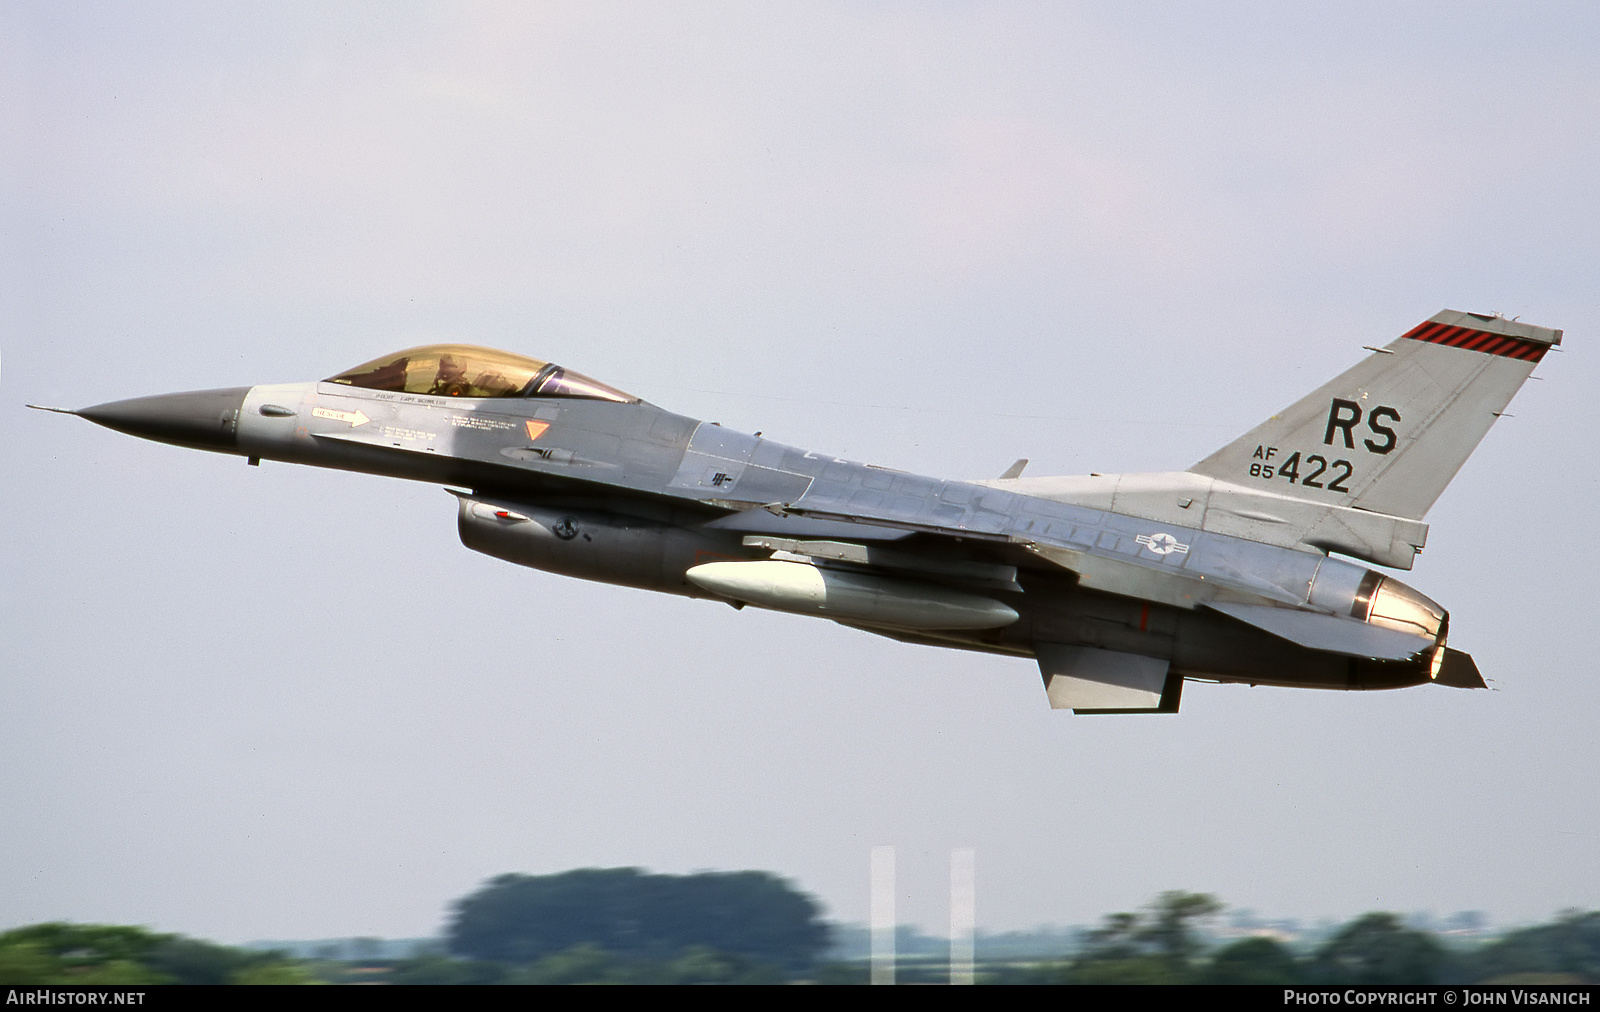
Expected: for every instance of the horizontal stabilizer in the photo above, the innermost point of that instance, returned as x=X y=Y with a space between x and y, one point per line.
x=1327 y=632
x=1459 y=671
x=1089 y=680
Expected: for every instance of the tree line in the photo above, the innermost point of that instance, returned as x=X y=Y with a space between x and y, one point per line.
x=625 y=925
x=1164 y=944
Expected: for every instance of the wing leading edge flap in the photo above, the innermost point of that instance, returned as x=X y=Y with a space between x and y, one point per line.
x=1327 y=632
x=1091 y=680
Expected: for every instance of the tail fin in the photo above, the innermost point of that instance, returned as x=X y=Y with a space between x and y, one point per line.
x=1390 y=433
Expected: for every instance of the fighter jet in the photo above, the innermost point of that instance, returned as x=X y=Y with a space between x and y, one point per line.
x=1244 y=568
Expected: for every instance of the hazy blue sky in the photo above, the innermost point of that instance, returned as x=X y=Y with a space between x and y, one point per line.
x=281 y=702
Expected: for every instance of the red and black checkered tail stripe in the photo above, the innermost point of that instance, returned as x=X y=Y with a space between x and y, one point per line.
x=1479 y=340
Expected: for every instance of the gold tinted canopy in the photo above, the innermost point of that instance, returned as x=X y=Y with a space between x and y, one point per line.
x=464 y=370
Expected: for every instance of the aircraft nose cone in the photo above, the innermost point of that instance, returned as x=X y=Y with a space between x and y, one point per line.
x=202 y=419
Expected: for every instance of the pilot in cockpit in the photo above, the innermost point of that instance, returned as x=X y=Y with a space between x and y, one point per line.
x=451 y=380
x=460 y=370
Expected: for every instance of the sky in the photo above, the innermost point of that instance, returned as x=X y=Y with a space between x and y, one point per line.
x=283 y=702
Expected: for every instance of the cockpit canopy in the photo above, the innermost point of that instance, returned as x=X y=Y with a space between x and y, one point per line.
x=464 y=370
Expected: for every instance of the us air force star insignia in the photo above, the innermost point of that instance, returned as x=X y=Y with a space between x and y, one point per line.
x=1161 y=544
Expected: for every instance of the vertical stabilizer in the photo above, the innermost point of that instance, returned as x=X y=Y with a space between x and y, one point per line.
x=1390 y=433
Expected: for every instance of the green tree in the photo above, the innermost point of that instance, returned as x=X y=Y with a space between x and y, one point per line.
x=24 y=962
x=59 y=953
x=1157 y=945
x=437 y=969
x=1134 y=970
x=1377 y=948
x=273 y=973
x=1569 y=946
x=626 y=912
x=701 y=965
x=1171 y=926
x=1252 y=961
x=581 y=964
x=191 y=961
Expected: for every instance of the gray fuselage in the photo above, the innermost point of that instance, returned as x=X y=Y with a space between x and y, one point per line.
x=628 y=493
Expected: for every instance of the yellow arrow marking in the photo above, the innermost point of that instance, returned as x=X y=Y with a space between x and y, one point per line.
x=355 y=418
